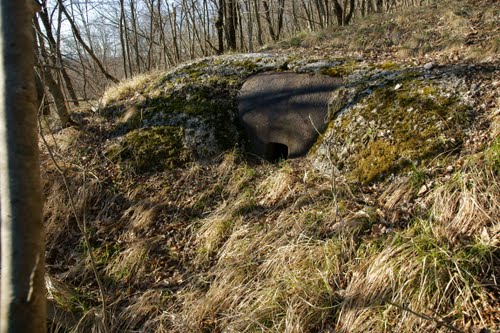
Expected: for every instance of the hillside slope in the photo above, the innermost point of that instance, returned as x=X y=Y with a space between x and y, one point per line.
x=159 y=221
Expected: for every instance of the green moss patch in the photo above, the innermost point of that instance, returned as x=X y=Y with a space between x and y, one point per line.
x=397 y=125
x=153 y=149
x=344 y=69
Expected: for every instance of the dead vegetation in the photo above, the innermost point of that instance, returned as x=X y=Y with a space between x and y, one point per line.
x=446 y=31
x=251 y=247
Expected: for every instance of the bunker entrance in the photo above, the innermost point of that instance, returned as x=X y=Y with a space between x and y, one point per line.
x=276 y=151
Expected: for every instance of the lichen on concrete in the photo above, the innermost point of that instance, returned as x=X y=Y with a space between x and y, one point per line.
x=200 y=97
x=384 y=118
x=402 y=122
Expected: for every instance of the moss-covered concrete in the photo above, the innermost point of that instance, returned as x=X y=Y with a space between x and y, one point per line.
x=151 y=149
x=382 y=130
x=200 y=98
x=346 y=68
x=398 y=124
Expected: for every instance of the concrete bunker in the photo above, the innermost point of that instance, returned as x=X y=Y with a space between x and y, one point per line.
x=282 y=113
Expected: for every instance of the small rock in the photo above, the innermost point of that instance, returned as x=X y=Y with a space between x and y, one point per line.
x=378 y=229
x=428 y=66
x=449 y=169
x=422 y=190
x=398 y=86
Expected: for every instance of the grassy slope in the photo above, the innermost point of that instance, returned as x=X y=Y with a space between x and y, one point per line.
x=237 y=245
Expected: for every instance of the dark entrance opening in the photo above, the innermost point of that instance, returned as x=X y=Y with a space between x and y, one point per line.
x=276 y=151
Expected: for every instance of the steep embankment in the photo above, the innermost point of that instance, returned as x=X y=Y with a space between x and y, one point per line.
x=390 y=224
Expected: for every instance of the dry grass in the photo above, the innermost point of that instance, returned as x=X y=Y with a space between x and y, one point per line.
x=424 y=275
x=141 y=215
x=276 y=187
x=277 y=254
x=276 y=248
x=466 y=204
x=271 y=275
x=450 y=29
x=128 y=88
x=142 y=308
x=276 y=277
x=130 y=264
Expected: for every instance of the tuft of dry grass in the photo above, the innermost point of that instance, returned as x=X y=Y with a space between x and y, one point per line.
x=130 y=264
x=466 y=204
x=128 y=88
x=277 y=186
x=143 y=311
x=141 y=215
x=418 y=272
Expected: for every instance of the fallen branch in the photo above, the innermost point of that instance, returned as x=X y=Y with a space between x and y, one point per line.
x=438 y=321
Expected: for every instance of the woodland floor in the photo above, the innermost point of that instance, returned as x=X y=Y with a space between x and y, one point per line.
x=238 y=244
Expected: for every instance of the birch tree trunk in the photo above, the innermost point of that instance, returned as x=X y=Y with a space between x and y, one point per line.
x=22 y=304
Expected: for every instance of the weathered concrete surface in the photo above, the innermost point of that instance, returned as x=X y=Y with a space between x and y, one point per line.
x=282 y=108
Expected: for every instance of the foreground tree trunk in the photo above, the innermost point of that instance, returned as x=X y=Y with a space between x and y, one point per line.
x=22 y=307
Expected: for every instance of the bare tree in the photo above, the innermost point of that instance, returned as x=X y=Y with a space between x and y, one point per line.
x=219 y=26
x=55 y=51
x=231 y=24
x=90 y=52
x=122 y=38
x=55 y=89
x=343 y=15
x=22 y=307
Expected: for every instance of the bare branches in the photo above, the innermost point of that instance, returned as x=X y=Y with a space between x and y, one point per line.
x=90 y=52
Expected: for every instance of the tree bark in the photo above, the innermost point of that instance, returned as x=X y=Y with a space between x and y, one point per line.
x=259 y=25
x=248 y=8
x=310 y=22
x=380 y=6
x=219 y=26
x=122 y=38
x=267 y=13
x=47 y=78
x=339 y=12
x=348 y=17
x=40 y=94
x=231 y=22
x=59 y=100
x=281 y=10
x=321 y=12
x=136 y=37
x=22 y=306
x=162 y=36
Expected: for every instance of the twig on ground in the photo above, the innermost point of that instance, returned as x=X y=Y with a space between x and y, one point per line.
x=81 y=225
x=426 y=317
